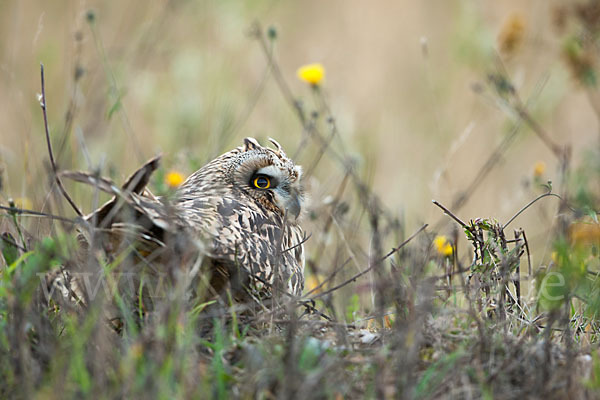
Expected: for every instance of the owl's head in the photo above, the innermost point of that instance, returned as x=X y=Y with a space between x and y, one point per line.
x=264 y=174
x=268 y=176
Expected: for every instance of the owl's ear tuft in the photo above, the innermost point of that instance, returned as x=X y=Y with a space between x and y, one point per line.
x=250 y=144
x=278 y=149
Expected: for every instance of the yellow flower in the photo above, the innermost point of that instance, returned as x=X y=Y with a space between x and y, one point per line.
x=443 y=246
x=584 y=232
x=173 y=179
x=313 y=281
x=311 y=73
x=512 y=34
x=539 y=168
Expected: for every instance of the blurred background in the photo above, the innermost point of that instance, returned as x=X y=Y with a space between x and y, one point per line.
x=408 y=84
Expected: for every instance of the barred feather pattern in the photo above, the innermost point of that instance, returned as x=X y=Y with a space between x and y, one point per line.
x=216 y=214
x=245 y=226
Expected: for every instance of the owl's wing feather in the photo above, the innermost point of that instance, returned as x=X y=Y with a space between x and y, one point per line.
x=133 y=216
x=210 y=216
x=241 y=233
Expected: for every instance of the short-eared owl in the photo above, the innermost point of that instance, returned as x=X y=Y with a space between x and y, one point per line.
x=239 y=215
x=246 y=205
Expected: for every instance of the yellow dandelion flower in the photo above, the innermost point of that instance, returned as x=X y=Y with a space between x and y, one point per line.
x=313 y=281
x=443 y=246
x=539 y=168
x=512 y=34
x=173 y=179
x=584 y=232
x=311 y=73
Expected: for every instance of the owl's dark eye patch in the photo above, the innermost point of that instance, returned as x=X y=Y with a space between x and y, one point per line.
x=261 y=181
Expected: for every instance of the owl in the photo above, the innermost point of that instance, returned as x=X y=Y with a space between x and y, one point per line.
x=240 y=214
x=246 y=206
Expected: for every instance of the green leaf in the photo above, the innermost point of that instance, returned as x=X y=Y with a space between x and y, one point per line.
x=116 y=106
x=10 y=251
x=352 y=308
x=435 y=374
x=19 y=261
x=311 y=354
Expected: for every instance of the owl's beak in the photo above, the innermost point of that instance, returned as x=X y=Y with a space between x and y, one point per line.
x=293 y=205
x=289 y=200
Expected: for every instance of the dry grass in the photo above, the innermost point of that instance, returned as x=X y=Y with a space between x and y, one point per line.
x=503 y=307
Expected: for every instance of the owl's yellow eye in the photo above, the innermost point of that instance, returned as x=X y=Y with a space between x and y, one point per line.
x=262 y=182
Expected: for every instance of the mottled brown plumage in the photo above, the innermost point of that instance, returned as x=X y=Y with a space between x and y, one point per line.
x=243 y=224
x=239 y=214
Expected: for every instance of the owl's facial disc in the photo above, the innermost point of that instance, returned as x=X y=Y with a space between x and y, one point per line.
x=287 y=191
